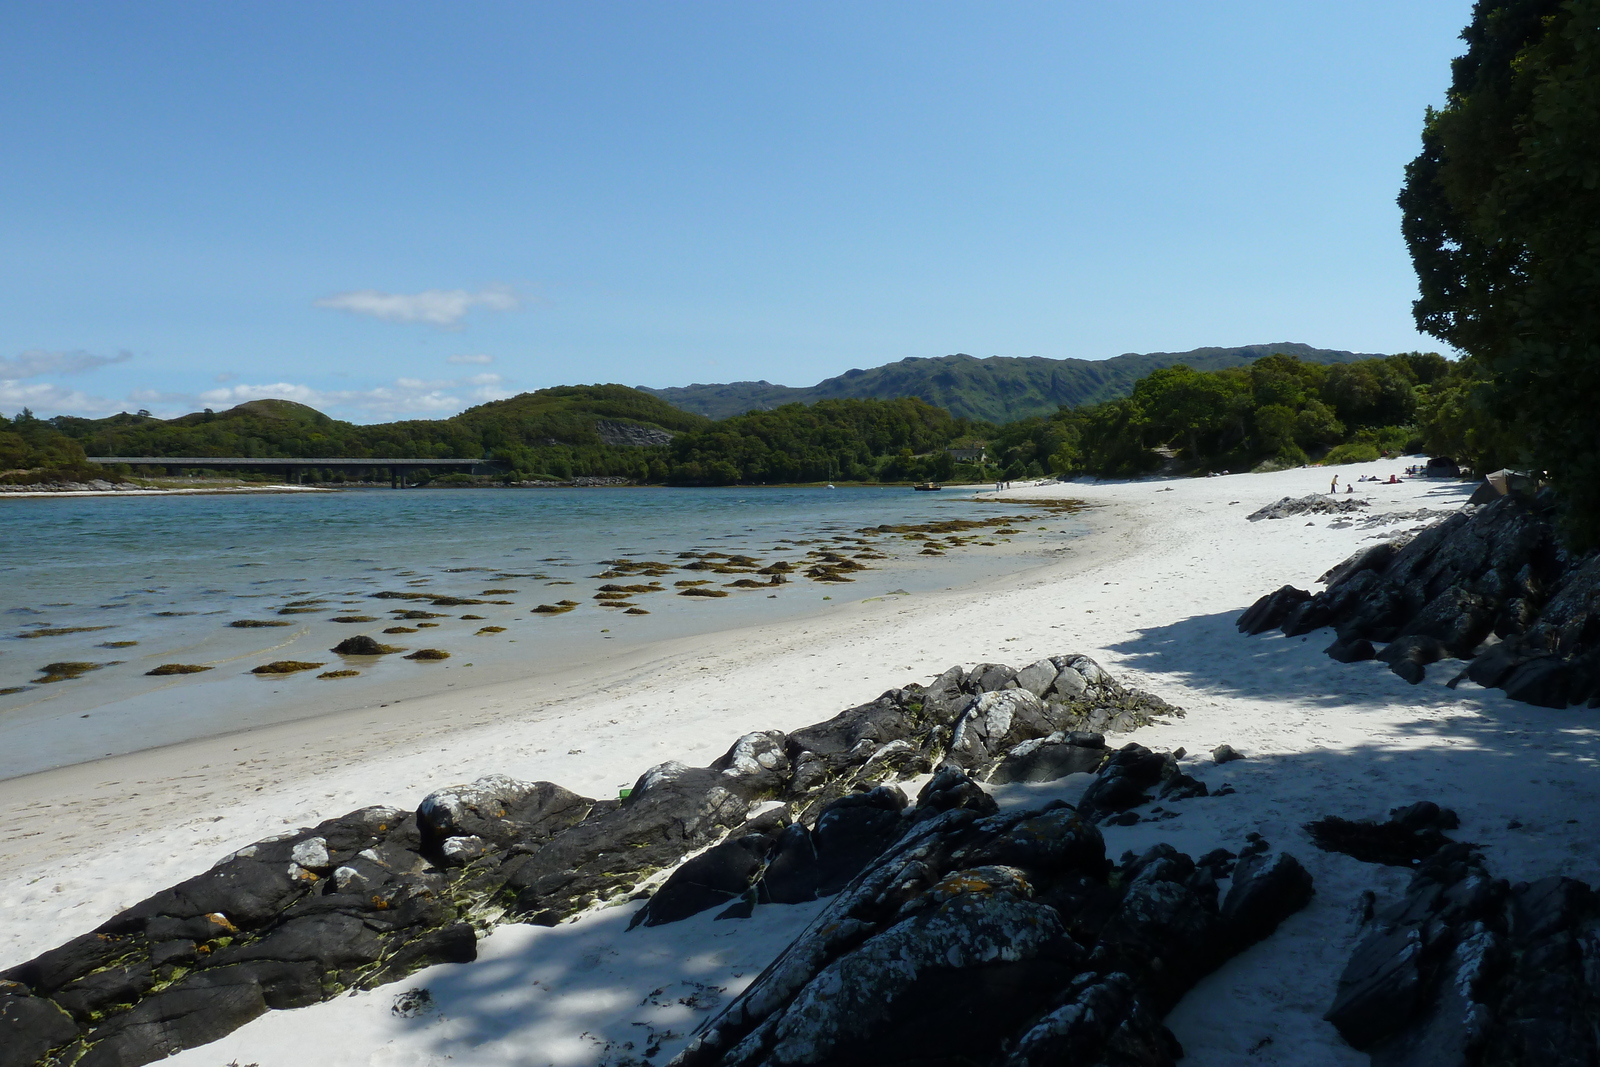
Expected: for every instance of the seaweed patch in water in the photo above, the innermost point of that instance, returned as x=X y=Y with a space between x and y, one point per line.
x=177 y=668
x=248 y=624
x=61 y=672
x=57 y=631
x=429 y=654
x=285 y=666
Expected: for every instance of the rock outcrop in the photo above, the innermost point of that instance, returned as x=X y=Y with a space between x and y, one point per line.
x=627 y=435
x=986 y=938
x=1316 y=504
x=1489 y=585
x=1466 y=969
x=370 y=897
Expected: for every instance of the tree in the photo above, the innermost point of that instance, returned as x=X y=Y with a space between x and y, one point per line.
x=1501 y=213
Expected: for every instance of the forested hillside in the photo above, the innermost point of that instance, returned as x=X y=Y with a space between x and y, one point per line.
x=1277 y=411
x=998 y=389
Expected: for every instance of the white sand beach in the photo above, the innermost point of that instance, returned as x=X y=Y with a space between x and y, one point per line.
x=1152 y=594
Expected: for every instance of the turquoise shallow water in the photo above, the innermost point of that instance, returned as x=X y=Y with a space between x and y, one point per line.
x=170 y=573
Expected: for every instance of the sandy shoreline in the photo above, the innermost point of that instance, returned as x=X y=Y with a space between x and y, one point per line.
x=1152 y=593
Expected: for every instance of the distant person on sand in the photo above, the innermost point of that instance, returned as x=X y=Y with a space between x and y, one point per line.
x=1334 y=488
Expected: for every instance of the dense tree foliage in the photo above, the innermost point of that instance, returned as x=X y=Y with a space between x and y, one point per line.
x=832 y=440
x=1502 y=218
x=33 y=449
x=1279 y=411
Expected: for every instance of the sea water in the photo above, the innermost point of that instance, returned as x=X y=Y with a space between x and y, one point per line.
x=148 y=580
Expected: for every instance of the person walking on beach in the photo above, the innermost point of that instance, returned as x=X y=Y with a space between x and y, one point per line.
x=1335 y=487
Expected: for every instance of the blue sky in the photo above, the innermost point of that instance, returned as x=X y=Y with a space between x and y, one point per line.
x=400 y=209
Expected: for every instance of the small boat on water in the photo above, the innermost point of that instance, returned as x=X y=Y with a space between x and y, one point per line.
x=927 y=487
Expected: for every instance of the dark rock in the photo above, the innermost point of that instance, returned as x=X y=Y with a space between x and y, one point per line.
x=991 y=940
x=84 y=954
x=456 y=943
x=1410 y=835
x=670 y=811
x=1311 y=615
x=1376 y=558
x=1100 y=1014
x=1457 y=618
x=497 y=809
x=1264 y=893
x=1490 y=667
x=950 y=789
x=743 y=908
x=1381 y=987
x=1425 y=815
x=793 y=874
x=1408 y=656
x=1545 y=682
x=336 y=942
x=203 y=1008
x=32 y=1026
x=1046 y=759
x=95 y=992
x=1123 y=782
x=1053 y=843
x=1224 y=754
x=852 y=831
x=1351 y=651
x=1497 y=570
x=1462 y=970
x=718 y=875
x=991 y=677
x=1183 y=787
x=1269 y=612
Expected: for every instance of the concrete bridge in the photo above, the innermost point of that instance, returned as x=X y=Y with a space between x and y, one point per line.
x=294 y=468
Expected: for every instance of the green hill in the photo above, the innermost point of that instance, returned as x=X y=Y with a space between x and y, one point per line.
x=573 y=416
x=999 y=389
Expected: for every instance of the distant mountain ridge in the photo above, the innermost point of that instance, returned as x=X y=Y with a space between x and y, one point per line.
x=998 y=389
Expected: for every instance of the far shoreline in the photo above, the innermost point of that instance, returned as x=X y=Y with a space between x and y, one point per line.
x=225 y=488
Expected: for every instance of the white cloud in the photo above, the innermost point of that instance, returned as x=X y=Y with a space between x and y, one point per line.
x=37 y=362
x=441 y=307
x=479 y=360
x=46 y=399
